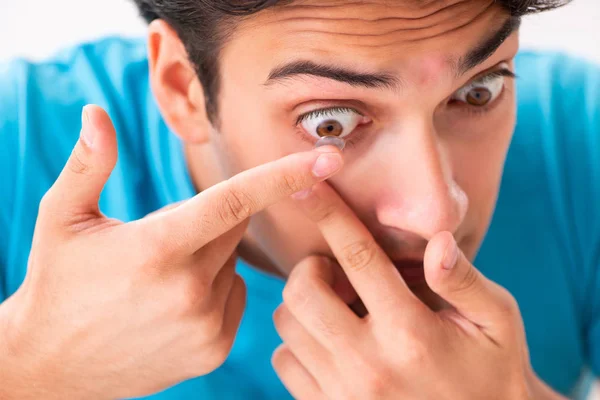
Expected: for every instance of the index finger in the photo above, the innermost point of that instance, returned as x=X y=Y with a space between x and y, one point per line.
x=370 y=271
x=220 y=208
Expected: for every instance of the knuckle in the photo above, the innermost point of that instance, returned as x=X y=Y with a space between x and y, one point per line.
x=416 y=355
x=207 y=360
x=296 y=292
x=219 y=352
x=236 y=207
x=309 y=266
x=416 y=352
x=152 y=250
x=159 y=241
x=508 y=306
x=212 y=324
x=376 y=383
x=191 y=295
x=46 y=204
x=330 y=329
x=324 y=212
x=280 y=359
x=291 y=184
x=77 y=163
x=280 y=318
x=359 y=255
x=468 y=281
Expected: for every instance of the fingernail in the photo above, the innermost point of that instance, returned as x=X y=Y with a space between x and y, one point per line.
x=87 y=134
x=301 y=195
x=327 y=164
x=451 y=255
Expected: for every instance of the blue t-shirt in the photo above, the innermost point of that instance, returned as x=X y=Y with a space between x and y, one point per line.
x=543 y=244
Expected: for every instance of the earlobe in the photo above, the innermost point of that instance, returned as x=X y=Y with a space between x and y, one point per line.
x=175 y=84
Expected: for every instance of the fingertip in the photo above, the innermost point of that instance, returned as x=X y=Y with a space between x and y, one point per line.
x=451 y=252
x=94 y=111
x=436 y=248
x=278 y=354
x=435 y=255
x=328 y=149
x=97 y=125
x=327 y=164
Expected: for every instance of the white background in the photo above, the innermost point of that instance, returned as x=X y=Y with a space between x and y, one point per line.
x=37 y=28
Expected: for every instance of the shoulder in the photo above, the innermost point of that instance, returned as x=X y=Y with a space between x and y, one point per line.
x=558 y=124
x=558 y=120
x=42 y=101
x=553 y=165
x=558 y=91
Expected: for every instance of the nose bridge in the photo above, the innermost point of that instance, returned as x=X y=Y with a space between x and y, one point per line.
x=423 y=197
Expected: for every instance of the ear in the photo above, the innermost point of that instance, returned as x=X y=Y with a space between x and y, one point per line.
x=175 y=84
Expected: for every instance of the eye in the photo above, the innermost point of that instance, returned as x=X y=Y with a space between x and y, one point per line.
x=339 y=122
x=483 y=91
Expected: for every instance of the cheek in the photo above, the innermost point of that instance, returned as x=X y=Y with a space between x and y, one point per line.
x=252 y=134
x=478 y=166
x=252 y=129
x=286 y=235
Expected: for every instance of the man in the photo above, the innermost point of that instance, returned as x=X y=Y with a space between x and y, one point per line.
x=382 y=295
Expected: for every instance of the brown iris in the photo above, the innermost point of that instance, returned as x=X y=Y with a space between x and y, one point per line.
x=479 y=97
x=331 y=127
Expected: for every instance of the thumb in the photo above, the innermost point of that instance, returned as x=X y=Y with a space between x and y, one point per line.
x=77 y=190
x=452 y=276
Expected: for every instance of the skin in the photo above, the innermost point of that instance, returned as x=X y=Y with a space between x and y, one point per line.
x=421 y=168
x=165 y=303
x=433 y=176
x=425 y=172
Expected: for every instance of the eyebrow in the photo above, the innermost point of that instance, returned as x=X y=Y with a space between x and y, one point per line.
x=488 y=47
x=353 y=78
x=475 y=57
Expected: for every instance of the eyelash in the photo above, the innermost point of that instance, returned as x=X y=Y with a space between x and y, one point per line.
x=324 y=112
x=353 y=139
x=479 y=111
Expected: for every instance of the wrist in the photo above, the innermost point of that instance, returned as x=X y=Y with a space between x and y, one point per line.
x=10 y=364
x=20 y=378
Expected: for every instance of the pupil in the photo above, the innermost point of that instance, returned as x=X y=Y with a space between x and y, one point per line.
x=479 y=97
x=330 y=127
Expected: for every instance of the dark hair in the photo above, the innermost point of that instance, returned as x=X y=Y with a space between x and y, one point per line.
x=202 y=26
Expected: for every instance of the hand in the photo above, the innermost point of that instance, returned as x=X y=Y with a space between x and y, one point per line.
x=111 y=309
x=401 y=349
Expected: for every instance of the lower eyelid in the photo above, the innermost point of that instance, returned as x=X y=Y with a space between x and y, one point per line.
x=363 y=129
x=357 y=135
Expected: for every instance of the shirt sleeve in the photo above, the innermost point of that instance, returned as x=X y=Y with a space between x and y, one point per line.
x=578 y=118
x=10 y=74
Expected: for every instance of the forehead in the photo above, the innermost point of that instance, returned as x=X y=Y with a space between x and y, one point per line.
x=423 y=36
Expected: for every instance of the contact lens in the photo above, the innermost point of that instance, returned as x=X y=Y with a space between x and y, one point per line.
x=331 y=141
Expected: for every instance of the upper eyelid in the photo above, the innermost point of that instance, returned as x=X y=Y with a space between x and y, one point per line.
x=492 y=73
x=485 y=78
x=497 y=73
x=324 y=110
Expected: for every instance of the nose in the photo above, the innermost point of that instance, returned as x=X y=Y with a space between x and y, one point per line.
x=422 y=195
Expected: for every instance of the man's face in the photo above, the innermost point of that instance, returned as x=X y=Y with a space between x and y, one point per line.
x=426 y=130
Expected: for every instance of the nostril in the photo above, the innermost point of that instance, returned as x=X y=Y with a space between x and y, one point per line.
x=425 y=213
